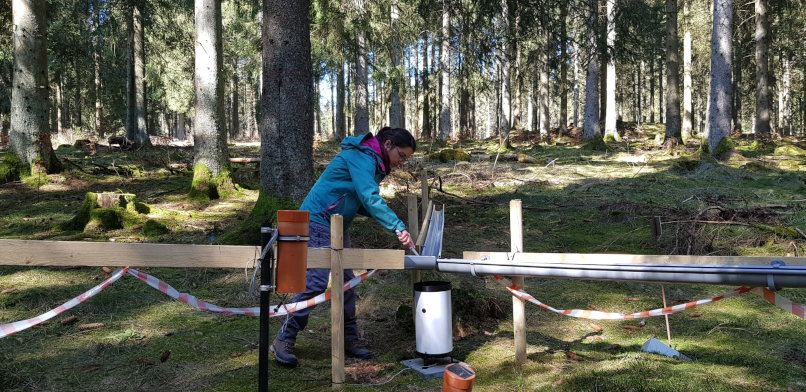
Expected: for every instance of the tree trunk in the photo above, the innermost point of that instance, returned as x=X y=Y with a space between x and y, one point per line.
x=672 y=73
x=286 y=149
x=762 y=121
x=543 y=65
x=591 y=83
x=737 y=81
x=59 y=118
x=660 y=92
x=445 y=127
x=720 y=94
x=180 y=126
x=30 y=131
x=464 y=101
x=563 y=120
x=360 y=85
x=506 y=48
x=395 y=112
x=687 y=128
x=131 y=130
x=610 y=107
x=652 y=89
x=426 y=132
x=96 y=67
x=140 y=136
x=786 y=102
x=210 y=158
x=340 y=130
x=235 y=109
x=576 y=89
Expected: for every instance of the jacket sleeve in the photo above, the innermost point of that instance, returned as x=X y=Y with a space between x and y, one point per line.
x=369 y=194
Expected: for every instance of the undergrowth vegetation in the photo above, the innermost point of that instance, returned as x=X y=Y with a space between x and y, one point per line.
x=575 y=200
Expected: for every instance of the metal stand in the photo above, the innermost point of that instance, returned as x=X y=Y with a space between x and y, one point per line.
x=266 y=287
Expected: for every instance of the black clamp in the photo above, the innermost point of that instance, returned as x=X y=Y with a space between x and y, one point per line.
x=294 y=238
x=771 y=279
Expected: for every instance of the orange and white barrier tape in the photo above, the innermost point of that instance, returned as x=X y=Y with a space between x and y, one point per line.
x=779 y=301
x=12 y=328
x=279 y=310
x=773 y=298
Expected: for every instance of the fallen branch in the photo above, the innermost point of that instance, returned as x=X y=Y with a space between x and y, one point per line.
x=74 y=165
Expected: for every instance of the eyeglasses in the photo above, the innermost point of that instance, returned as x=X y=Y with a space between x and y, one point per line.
x=401 y=156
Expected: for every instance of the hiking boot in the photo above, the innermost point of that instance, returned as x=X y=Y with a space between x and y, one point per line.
x=352 y=349
x=283 y=352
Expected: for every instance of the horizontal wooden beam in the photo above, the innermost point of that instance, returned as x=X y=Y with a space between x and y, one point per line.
x=244 y=160
x=116 y=254
x=596 y=258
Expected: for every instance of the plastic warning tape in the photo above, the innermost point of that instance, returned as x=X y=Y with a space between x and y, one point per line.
x=12 y=328
x=779 y=301
x=598 y=315
x=277 y=310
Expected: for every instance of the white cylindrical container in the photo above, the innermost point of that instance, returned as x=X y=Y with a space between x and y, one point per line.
x=433 y=319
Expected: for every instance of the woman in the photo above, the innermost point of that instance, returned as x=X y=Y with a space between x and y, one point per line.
x=348 y=186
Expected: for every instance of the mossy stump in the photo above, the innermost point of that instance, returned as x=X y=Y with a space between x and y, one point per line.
x=102 y=212
x=448 y=155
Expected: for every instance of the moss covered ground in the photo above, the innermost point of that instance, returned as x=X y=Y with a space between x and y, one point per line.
x=575 y=200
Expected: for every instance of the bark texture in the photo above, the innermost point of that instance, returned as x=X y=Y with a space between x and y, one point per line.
x=361 y=97
x=445 y=126
x=721 y=90
x=610 y=107
x=210 y=142
x=762 y=123
x=30 y=124
x=591 y=81
x=673 y=73
x=286 y=123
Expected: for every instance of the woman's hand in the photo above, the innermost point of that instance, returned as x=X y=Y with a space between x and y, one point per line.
x=405 y=239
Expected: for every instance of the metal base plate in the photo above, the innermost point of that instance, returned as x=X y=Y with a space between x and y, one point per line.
x=433 y=368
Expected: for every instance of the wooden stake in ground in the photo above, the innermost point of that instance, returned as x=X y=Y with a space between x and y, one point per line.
x=668 y=331
x=414 y=230
x=518 y=305
x=337 y=301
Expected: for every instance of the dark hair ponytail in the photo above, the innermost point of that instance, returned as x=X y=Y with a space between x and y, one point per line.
x=398 y=136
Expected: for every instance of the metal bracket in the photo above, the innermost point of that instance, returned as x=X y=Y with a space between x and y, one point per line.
x=771 y=278
x=266 y=287
x=294 y=238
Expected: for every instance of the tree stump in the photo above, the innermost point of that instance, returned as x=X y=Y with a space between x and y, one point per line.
x=102 y=212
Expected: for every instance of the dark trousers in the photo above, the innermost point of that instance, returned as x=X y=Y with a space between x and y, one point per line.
x=316 y=283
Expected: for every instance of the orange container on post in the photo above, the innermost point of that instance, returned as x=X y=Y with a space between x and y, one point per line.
x=458 y=377
x=292 y=250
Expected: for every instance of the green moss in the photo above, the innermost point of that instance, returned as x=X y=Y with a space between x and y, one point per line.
x=206 y=186
x=81 y=218
x=10 y=168
x=265 y=210
x=785 y=232
x=448 y=155
x=595 y=144
x=686 y=164
x=104 y=219
x=154 y=228
x=724 y=146
x=755 y=166
x=790 y=151
x=610 y=138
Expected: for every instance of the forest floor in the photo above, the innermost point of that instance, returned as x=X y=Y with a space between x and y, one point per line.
x=575 y=201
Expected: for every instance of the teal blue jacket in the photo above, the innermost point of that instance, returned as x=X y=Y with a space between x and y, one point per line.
x=349 y=186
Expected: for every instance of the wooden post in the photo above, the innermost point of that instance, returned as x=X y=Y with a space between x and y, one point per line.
x=414 y=230
x=337 y=298
x=518 y=305
x=424 y=191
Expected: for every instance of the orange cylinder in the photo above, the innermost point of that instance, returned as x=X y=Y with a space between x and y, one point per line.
x=458 y=378
x=292 y=250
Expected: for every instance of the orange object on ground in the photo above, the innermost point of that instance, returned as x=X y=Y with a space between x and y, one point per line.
x=458 y=377
x=292 y=255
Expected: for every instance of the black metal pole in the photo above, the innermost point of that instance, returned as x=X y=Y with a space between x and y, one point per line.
x=265 y=305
